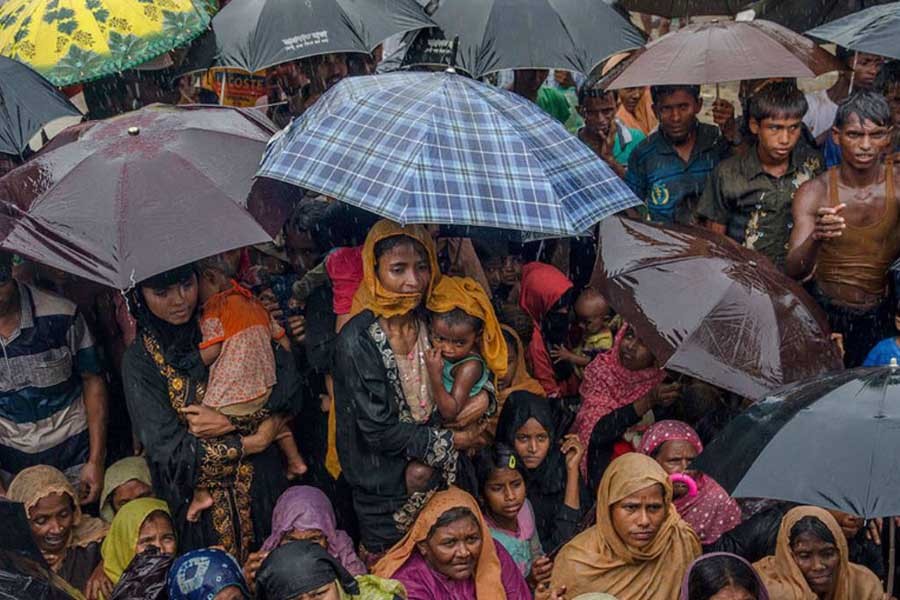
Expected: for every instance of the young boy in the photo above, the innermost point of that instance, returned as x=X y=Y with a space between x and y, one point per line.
x=886 y=349
x=592 y=311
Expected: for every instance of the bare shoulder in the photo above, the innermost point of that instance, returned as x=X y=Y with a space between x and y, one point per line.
x=812 y=194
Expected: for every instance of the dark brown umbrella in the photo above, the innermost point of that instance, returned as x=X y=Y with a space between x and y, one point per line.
x=120 y=200
x=710 y=308
x=722 y=51
x=684 y=8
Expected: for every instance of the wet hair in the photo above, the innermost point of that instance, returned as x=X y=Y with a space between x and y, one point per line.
x=519 y=320
x=495 y=458
x=457 y=317
x=710 y=576
x=308 y=216
x=778 y=100
x=396 y=241
x=511 y=342
x=585 y=92
x=216 y=262
x=888 y=76
x=181 y=274
x=867 y=106
x=813 y=526
x=451 y=516
x=658 y=92
x=844 y=55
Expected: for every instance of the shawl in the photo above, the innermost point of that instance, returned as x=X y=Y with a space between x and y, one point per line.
x=643 y=118
x=145 y=577
x=597 y=560
x=467 y=295
x=488 y=583
x=712 y=512
x=685 y=585
x=202 y=574
x=345 y=270
x=35 y=483
x=522 y=380
x=304 y=508
x=300 y=567
x=119 y=546
x=542 y=286
x=608 y=386
x=120 y=472
x=784 y=579
x=371 y=295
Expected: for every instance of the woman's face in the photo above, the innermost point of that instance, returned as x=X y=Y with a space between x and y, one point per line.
x=818 y=561
x=630 y=98
x=674 y=457
x=732 y=592
x=326 y=592
x=633 y=354
x=157 y=531
x=453 y=550
x=404 y=269
x=638 y=518
x=51 y=520
x=232 y=592
x=313 y=535
x=504 y=493
x=174 y=304
x=128 y=491
x=532 y=443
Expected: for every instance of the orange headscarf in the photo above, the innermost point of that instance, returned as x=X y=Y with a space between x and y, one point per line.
x=598 y=560
x=643 y=118
x=523 y=381
x=467 y=295
x=488 y=581
x=785 y=581
x=371 y=295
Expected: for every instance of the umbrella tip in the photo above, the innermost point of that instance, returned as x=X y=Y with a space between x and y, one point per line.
x=134 y=130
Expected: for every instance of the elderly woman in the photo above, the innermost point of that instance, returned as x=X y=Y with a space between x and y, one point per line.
x=385 y=412
x=640 y=547
x=207 y=574
x=811 y=561
x=449 y=553
x=68 y=540
x=186 y=442
x=553 y=482
x=303 y=569
x=142 y=525
x=124 y=481
x=722 y=575
x=711 y=511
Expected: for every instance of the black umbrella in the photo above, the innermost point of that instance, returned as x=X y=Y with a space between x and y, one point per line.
x=801 y=15
x=575 y=35
x=256 y=34
x=684 y=8
x=27 y=103
x=875 y=30
x=831 y=441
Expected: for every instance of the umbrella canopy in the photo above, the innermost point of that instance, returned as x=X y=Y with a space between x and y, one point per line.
x=801 y=15
x=875 y=30
x=72 y=41
x=684 y=8
x=721 y=51
x=830 y=442
x=710 y=308
x=27 y=103
x=256 y=34
x=575 y=35
x=445 y=149
x=120 y=200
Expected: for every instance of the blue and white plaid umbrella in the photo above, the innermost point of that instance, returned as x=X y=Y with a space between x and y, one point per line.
x=441 y=148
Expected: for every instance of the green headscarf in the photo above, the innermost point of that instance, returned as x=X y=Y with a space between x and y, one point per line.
x=122 y=471
x=119 y=546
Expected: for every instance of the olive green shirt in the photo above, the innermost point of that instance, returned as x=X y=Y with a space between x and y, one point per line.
x=755 y=207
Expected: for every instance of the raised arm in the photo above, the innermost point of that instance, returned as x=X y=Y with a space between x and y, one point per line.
x=813 y=223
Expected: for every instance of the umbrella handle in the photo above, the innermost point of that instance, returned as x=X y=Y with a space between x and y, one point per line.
x=892 y=557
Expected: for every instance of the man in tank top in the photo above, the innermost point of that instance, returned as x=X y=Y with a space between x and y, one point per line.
x=846 y=229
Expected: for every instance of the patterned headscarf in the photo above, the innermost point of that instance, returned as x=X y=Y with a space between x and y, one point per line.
x=202 y=574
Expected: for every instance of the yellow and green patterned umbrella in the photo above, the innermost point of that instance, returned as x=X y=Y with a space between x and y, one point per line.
x=72 y=41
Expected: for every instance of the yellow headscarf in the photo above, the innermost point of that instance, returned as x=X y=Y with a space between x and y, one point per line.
x=785 y=581
x=119 y=546
x=488 y=581
x=371 y=295
x=121 y=471
x=523 y=381
x=35 y=483
x=597 y=560
x=467 y=295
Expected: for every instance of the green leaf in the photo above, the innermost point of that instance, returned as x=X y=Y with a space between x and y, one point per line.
x=101 y=15
x=78 y=65
x=67 y=27
x=93 y=4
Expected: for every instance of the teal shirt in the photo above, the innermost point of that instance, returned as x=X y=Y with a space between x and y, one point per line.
x=447 y=375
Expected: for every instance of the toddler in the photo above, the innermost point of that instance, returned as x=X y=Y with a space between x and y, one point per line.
x=237 y=346
x=593 y=314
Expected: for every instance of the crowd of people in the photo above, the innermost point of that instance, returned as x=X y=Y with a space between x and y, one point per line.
x=363 y=409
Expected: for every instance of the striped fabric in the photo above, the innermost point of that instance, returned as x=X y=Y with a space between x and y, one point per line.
x=441 y=148
x=42 y=414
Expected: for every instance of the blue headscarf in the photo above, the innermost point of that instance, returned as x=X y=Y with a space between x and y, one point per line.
x=201 y=574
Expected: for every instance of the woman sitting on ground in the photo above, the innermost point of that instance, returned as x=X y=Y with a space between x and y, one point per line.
x=722 y=576
x=124 y=481
x=141 y=525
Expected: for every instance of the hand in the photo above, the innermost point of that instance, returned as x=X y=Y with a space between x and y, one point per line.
x=609 y=142
x=434 y=362
x=468 y=438
x=541 y=569
x=561 y=354
x=666 y=394
x=544 y=592
x=723 y=116
x=873 y=529
x=251 y=567
x=206 y=423
x=829 y=222
x=98 y=586
x=273 y=307
x=296 y=328
x=474 y=410
x=838 y=339
x=91 y=482
x=573 y=450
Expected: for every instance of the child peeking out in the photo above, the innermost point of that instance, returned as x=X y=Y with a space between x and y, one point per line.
x=467 y=352
x=886 y=349
x=237 y=346
x=593 y=314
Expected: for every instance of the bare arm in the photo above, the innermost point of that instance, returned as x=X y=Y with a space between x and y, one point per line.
x=95 y=404
x=465 y=376
x=715 y=227
x=813 y=223
x=209 y=354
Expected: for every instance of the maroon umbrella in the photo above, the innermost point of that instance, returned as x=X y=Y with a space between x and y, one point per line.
x=721 y=51
x=120 y=200
x=710 y=308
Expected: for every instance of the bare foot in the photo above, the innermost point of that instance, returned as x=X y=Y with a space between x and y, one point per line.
x=296 y=468
x=201 y=501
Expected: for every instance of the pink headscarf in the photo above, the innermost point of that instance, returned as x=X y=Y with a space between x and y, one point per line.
x=608 y=386
x=712 y=512
x=303 y=507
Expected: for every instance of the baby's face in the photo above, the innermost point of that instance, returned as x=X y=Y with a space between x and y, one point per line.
x=593 y=314
x=454 y=341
